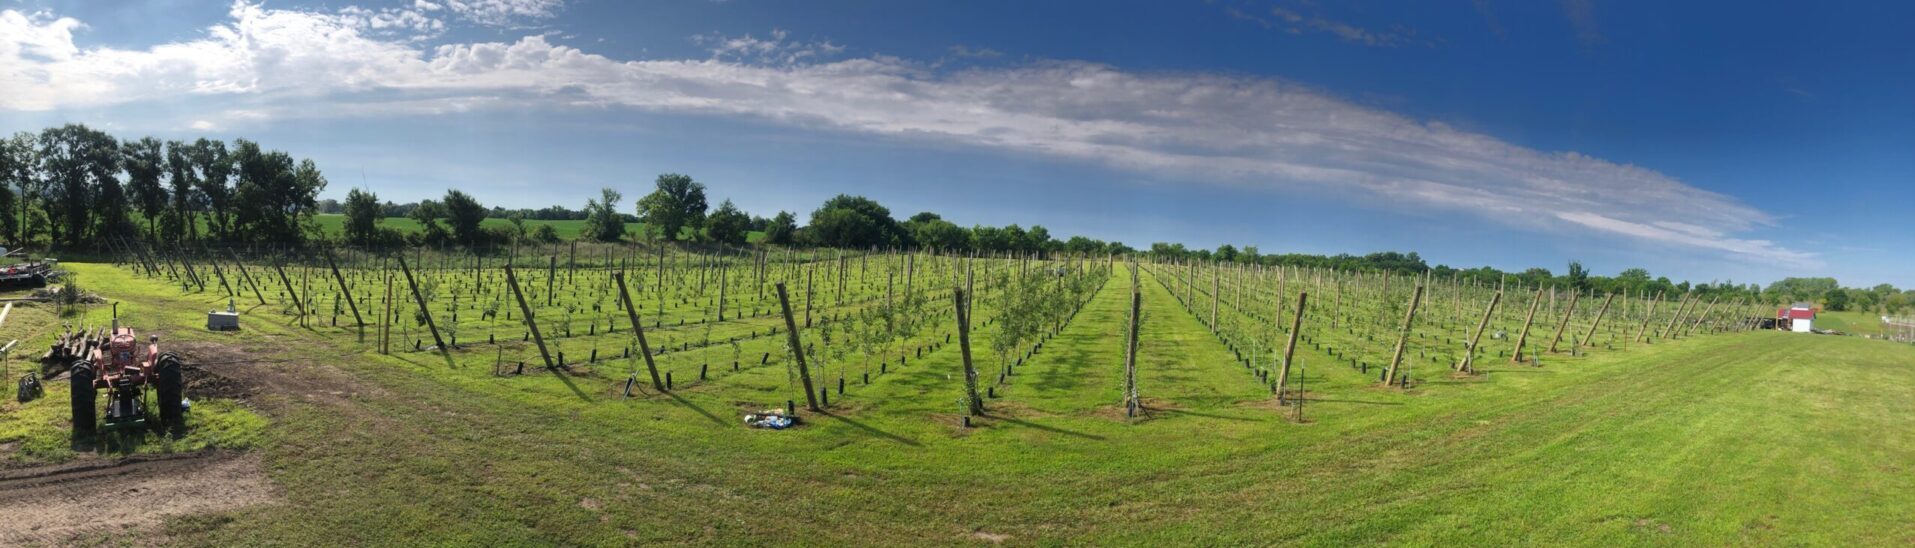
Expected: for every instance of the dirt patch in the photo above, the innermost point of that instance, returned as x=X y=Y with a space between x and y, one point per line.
x=262 y=376
x=993 y=538
x=58 y=504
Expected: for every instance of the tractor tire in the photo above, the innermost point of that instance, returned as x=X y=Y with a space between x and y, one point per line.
x=85 y=414
x=170 y=385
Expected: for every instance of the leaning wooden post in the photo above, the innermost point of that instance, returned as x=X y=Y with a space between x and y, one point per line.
x=722 y=278
x=427 y=309
x=1468 y=363
x=289 y=289
x=531 y=322
x=972 y=404
x=217 y=271
x=1131 y=402
x=798 y=349
x=1403 y=336
x=1642 y=333
x=1516 y=356
x=1669 y=331
x=1705 y=315
x=247 y=276
x=1567 y=314
x=347 y=291
x=638 y=328
x=1290 y=350
x=1216 y=280
x=1590 y=338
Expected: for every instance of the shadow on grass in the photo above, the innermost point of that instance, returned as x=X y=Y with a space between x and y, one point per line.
x=873 y=431
x=568 y=384
x=1052 y=429
x=1525 y=369
x=1363 y=402
x=1204 y=415
x=694 y=407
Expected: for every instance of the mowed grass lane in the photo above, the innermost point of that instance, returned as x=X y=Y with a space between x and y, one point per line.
x=1748 y=438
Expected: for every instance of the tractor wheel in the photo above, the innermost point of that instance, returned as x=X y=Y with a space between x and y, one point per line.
x=170 y=385
x=85 y=417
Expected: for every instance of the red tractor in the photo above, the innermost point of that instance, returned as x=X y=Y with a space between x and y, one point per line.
x=126 y=375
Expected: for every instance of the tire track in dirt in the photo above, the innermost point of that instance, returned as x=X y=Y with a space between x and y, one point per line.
x=63 y=503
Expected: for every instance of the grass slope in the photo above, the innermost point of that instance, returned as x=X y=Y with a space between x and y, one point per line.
x=1733 y=439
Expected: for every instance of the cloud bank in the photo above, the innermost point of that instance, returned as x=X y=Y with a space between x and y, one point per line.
x=1247 y=131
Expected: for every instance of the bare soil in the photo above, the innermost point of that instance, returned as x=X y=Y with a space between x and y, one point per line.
x=60 y=504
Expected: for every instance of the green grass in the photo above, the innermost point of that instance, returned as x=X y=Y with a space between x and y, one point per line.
x=1853 y=322
x=1752 y=438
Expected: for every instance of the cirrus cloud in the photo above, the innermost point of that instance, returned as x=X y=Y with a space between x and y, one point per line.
x=1247 y=131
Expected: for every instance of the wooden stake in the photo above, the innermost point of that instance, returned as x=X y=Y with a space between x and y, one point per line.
x=1468 y=364
x=1567 y=314
x=531 y=321
x=638 y=328
x=1403 y=336
x=1290 y=350
x=1589 y=339
x=1516 y=356
x=347 y=291
x=973 y=404
x=427 y=309
x=798 y=349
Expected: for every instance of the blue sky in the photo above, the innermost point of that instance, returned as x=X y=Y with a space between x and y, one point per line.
x=1739 y=141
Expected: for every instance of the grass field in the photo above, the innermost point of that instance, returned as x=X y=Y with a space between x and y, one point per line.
x=1743 y=438
x=1853 y=322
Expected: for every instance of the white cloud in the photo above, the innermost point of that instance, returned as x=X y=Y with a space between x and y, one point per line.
x=1246 y=131
x=775 y=49
x=501 y=12
x=204 y=125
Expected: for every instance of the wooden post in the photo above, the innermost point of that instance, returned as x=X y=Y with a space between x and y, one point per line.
x=972 y=404
x=1590 y=338
x=552 y=276
x=531 y=321
x=1290 y=350
x=1642 y=333
x=1704 y=315
x=289 y=289
x=1669 y=331
x=247 y=276
x=427 y=309
x=797 y=348
x=1403 y=336
x=638 y=328
x=1468 y=363
x=721 y=289
x=347 y=291
x=1216 y=280
x=217 y=271
x=385 y=330
x=1567 y=314
x=1131 y=401
x=1516 y=356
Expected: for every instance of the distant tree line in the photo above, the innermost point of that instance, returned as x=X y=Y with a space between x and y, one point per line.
x=76 y=186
